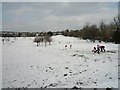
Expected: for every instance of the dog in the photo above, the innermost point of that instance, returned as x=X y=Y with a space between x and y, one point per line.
x=102 y=48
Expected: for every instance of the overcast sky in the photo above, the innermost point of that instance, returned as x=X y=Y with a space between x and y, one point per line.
x=54 y=16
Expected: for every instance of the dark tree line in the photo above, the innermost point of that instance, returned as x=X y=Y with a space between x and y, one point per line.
x=24 y=34
x=103 y=32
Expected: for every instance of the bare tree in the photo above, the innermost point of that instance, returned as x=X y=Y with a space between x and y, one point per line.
x=37 y=40
x=47 y=38
x=116 y=35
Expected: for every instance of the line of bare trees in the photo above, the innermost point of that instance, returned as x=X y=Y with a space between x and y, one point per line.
x=102 y=32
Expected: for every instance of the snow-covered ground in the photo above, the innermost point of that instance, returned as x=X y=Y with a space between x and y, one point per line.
x=26 y=65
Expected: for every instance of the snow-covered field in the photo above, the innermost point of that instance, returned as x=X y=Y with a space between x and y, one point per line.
x=26 y=65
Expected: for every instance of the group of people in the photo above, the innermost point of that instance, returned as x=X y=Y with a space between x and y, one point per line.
x=99 y=49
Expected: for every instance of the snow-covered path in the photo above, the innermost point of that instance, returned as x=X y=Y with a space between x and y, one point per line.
x=26 y=65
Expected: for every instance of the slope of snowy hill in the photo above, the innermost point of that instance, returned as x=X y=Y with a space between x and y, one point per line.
x=26 y=65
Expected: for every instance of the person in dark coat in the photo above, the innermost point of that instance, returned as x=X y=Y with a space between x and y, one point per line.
x=98 y=49
x=94 y=50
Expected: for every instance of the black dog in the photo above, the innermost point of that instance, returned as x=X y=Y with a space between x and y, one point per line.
x=102 y=48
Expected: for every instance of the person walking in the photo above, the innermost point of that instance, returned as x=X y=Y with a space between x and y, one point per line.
x=98 y=49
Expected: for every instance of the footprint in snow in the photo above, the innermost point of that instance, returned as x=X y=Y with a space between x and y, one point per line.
x=50 y=68
x=79 y=83
x=103 y=61
x=80 y=72
x=96 y=69
x=77 y=51
x=53 y=85
x=66 y=67
x=29 y=85
x=65 y=74
x=106 y=75
x=80 y=65
x=95 y=82
x=14 y=80
x=96 y=60
x=110 y=77
x=46 y=70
